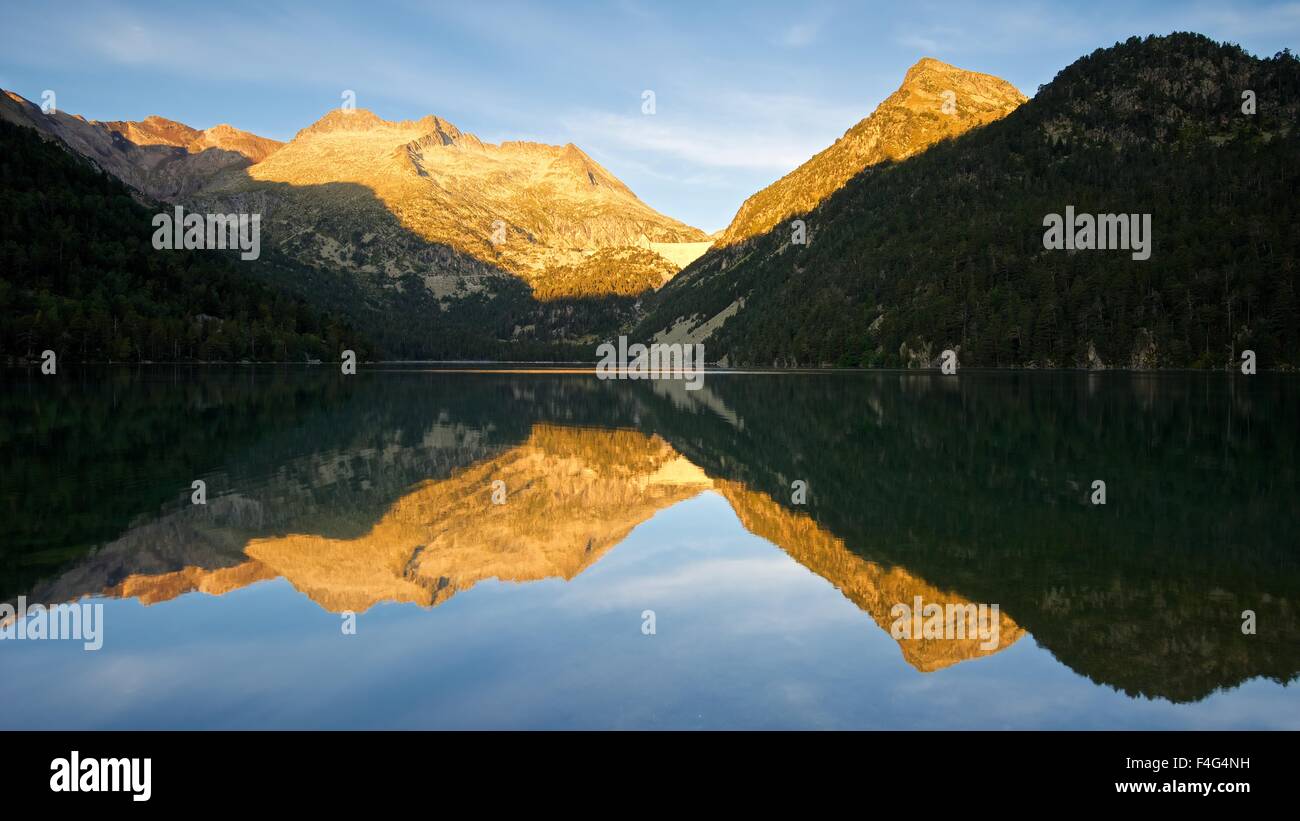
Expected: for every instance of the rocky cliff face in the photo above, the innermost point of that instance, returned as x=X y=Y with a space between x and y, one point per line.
x=935 y=101
x=161 y=158
x=362 y=195
x=422 y=197
x=155 y=130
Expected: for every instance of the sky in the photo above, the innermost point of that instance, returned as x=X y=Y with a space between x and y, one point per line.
x=743 y=92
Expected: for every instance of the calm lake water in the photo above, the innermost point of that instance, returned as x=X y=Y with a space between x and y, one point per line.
x=413 y=548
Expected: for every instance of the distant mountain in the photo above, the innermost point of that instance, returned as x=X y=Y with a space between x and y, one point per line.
x=79 y=276
x=936 y=101
x=946 y=249
x=355 y=192
x=155 y=130
x=161 y=158
x=520 y=250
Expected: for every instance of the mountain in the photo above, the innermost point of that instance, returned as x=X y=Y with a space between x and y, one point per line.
x=936 y=101
x=945 y=249
x=358 y=193
x=925 y=226
x=155 y=130
x=521 y=250
x=79 y=276
x=161 y=158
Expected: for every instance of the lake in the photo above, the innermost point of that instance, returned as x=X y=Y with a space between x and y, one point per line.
x=414 y=547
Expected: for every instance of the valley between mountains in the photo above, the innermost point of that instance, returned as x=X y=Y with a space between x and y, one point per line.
x=919 y=230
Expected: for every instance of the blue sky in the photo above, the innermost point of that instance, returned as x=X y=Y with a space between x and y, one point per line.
x=744 y=91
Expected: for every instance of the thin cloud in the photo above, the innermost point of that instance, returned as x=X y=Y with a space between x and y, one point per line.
x=742 y=99
x=924 y=44
x=693 y=143
x=800 y=35
x=770 y=132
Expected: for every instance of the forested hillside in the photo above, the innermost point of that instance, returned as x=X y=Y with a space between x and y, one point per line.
x=945 y=249
x=79 y=276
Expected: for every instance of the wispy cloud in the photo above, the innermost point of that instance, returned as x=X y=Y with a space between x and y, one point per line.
x=800 y=34
x=743 y=97
x=712 y=129
x=692 y=142
x=928 y=45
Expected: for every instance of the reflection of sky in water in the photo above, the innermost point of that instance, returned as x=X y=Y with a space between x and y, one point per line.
x=747 y=637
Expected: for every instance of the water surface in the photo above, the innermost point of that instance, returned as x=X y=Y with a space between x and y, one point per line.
x=373 y=495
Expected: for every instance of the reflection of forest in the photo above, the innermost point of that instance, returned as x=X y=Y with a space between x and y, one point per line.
x=571 y=495
x=378 y=488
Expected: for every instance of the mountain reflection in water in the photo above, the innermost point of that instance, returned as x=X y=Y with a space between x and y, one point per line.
x=378 y=488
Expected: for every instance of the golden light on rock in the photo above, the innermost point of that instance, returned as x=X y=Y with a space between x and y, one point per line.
x=571 y=495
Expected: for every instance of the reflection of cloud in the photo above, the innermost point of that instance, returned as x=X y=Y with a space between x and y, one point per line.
x=578 y=493
x=766 y=575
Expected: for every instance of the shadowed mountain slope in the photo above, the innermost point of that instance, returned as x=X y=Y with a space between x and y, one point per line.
x=936 y=101
x=945 y=249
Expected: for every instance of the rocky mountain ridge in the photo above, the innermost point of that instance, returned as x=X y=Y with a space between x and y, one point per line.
x=935 y=101
x=379 y=200
x=163 y=159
